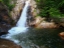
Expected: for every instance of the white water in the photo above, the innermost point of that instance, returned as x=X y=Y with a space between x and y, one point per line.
x=20 y=26
x=23 y=18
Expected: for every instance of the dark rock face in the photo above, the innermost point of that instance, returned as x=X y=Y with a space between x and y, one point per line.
x=5 y=20
x=8 y=44
x=4 y=16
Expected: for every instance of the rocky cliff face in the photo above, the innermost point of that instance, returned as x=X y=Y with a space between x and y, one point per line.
x=5 y=20
x=16 y=11
x=4 y=16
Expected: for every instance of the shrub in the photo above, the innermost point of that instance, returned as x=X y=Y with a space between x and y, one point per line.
x=52 y=8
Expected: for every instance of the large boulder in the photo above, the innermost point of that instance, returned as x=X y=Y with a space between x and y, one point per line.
x=61 y=35
x=47 y=25
x=8 y=44
x=40 y=22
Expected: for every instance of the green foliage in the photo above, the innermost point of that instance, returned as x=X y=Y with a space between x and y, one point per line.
x=54 y=12
x=8 y=4
x=52 y=8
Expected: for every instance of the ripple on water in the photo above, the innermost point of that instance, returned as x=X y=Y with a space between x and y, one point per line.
x=40 y=38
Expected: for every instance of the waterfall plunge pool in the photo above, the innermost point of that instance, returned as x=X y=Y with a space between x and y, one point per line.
x=39 y=38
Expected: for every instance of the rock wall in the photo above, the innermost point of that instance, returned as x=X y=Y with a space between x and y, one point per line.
x=4 y=14
x=5 y=20
x=16 y=11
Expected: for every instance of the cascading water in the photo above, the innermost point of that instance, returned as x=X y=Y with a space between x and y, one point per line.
x=23 y=18
x=20 y=26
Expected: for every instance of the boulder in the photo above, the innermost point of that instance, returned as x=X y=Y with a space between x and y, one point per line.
x=40 y=22
x=61 y=35
x=36 y=21
x=47 y=25
x=8 y=44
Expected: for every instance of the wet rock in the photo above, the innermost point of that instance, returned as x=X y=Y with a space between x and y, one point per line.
x=4 y=29
x=36 y=21
x=16 y=11
x=34 y=9
x=8 y=44
x=47 y=25
x=33 y=12
x=61 y=35
x=41 y=23
x=5 y=20
x=4 y=14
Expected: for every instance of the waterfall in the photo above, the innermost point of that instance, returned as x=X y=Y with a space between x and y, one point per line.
x=20 y=26
x=23 y=18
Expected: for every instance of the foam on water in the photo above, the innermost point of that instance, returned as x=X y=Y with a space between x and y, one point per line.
x=16 y=30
